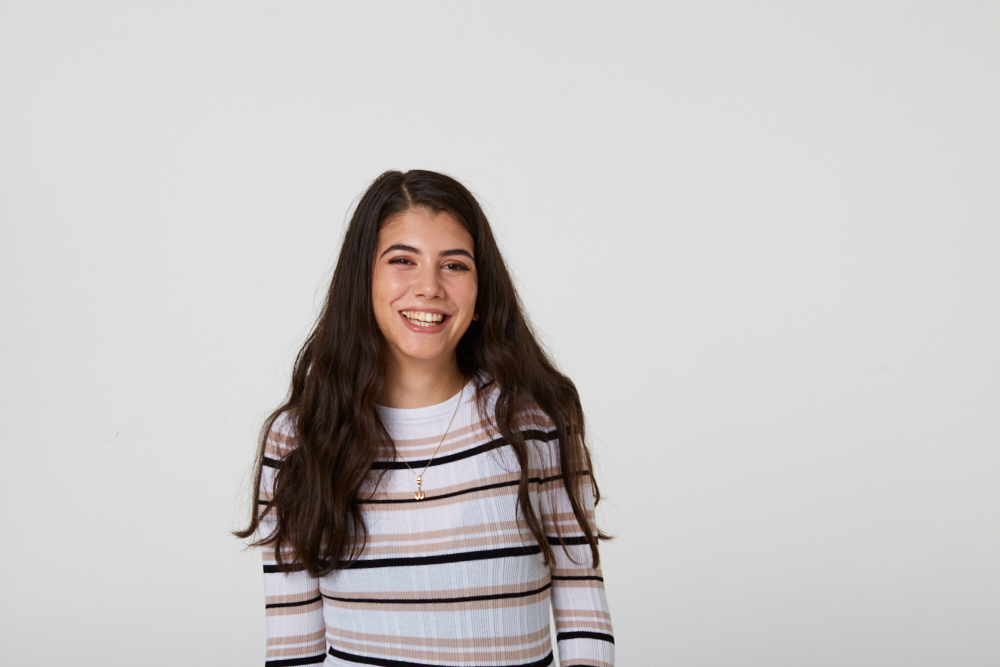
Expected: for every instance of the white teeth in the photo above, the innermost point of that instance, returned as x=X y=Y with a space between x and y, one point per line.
x=423 y=319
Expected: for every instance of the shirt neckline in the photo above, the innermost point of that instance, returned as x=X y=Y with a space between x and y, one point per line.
x=436 y=411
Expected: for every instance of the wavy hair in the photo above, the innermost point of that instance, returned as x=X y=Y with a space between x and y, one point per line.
x=339 y=373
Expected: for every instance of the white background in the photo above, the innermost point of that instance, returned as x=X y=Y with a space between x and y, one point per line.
x=763 y=239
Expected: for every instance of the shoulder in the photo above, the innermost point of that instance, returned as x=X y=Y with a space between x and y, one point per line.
x=532 y=417
x=281 y=438
x=527 y=415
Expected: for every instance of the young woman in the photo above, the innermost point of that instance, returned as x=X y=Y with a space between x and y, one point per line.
x=425 y=493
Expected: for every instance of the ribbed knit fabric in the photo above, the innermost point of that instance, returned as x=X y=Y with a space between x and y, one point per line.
x=451 y=580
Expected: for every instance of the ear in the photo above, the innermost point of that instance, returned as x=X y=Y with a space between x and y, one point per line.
x=475 y=316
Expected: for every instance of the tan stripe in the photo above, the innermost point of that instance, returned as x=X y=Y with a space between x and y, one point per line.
x=581 y=613
x=444 y=502
x=569 y=516
x=297 y=651
x=295 y=639
x=442 y=593
x=534 y=414
x=272 y=450
x=495 y=528
x=278 y=445
x=465 y=437
x=515 y=640
x=576 y=572
x=554 y=530
x=482 y=481
x=487 y=427
x=532 y=417
x=464 y=486
x=485 y=541
x=281 y=439
x=468 y=605
x=265 y=495
x=292 y=611
x=472 y=434
x=567 y=626
x=579 y=583
x=565 y=528
x=413 y=454
x=437 y=656
x=475 y=432
x=425 y=453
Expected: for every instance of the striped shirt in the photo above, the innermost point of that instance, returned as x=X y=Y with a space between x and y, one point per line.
x=454 y=579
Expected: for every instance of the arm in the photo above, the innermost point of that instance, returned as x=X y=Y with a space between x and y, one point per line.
x=295 y=626
x=579 y=606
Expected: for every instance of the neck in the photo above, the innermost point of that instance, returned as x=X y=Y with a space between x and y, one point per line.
x=410 y=387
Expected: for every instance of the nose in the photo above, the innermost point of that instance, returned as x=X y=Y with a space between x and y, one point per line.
x=428 y=283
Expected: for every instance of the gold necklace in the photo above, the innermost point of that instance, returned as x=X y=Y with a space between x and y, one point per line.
x=419 y=495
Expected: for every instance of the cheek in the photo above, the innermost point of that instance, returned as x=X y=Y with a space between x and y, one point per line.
x=471 y=294
x=384 y=290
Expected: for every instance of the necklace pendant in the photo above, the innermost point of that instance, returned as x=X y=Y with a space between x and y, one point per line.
x=419 y=495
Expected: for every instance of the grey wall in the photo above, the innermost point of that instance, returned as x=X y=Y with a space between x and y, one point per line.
x=763 y=240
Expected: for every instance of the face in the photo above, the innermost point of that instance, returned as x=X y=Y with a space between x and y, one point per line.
x=424 y=284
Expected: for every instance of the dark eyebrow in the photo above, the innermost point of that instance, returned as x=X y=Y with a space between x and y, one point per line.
x=443 y=253
x=400 y=246
x=456 y=251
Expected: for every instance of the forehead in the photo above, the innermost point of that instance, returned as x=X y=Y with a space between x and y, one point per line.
x=429 y=228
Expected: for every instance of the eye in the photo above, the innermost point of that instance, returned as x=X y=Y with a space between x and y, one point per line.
x=399 y=260
x=456 y=265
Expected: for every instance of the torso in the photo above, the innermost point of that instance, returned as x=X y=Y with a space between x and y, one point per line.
x=458 y=558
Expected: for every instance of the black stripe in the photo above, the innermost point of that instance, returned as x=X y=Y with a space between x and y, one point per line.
x=529 y=434
x=487 y=554
x=275 y=605
x=470 y=598
x=535 y=434
x=386 y=662
x=452 y=494
x=291 y=662
x=457 y=456
x=594 y=577
x=545 y=480
x=585 y=635
x=568 y=540
x=271 y=569
x=508 y=552
x=485 y=487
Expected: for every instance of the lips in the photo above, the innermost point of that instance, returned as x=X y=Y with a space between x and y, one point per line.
x=417 y=321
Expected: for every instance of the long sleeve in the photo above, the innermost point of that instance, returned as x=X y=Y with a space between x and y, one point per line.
x=579 y=605
x=294 y=607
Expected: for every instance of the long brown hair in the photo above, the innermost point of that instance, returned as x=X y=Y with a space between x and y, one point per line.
x=338 y=376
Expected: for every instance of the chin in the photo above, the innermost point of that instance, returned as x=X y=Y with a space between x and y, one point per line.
x=423 y=355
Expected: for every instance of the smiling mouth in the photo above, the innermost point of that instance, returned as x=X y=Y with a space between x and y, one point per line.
x=423 y=319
